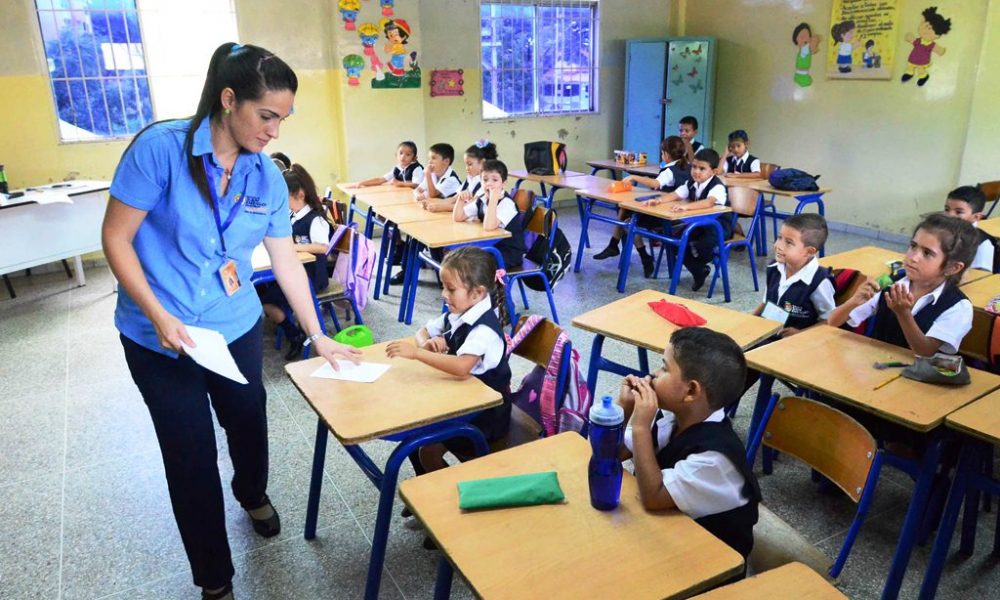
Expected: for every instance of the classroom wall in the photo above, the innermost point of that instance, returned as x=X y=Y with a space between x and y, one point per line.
x=890 y=151
x=981 y=158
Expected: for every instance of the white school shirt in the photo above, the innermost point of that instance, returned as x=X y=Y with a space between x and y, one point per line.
x=481 y=341
x=418 y=174
x=319 y=229
x=701 y=484
x=844 y=49
x=984 y=255
x=718 y=193
x=950 y=327
x=506 y=209
x=754 y=166
x=447 y=184
x=822 y=296
x=666 y=176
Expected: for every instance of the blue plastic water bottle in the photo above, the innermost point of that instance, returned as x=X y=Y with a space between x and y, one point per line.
x=607 y=430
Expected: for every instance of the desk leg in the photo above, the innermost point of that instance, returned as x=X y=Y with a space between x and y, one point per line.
x=10 y=286
x=414 y=281
x=914 y=516
x=316 y=483
x=81 y=280
x=442 y=587
x=626 y=258
x=385 y=256
x=407 y=265
x=763 y=396
x=595 y=363
x=584 y=208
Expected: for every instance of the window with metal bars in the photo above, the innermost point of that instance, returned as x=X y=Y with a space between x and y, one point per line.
x=539 y=57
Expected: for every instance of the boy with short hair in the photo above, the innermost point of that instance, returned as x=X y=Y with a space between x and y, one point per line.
x=685 y=451
x=967 y=202
x=441 y=181
x=687 y=128
x=799 y=292
x=737 y=160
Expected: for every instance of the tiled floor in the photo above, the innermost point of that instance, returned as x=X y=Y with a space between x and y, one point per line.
x=83 y=502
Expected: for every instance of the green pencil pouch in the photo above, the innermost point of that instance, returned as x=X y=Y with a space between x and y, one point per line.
x=517 y=490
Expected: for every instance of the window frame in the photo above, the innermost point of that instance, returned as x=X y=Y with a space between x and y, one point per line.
x=595 y=70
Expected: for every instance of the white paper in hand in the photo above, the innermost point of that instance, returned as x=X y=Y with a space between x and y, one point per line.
x=361 y=373
x=212 y=352
x=775 y=313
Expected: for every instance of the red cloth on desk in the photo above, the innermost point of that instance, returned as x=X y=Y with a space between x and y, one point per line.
x=678 y=314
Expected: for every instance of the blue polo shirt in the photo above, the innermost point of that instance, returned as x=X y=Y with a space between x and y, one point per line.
x=178 y=242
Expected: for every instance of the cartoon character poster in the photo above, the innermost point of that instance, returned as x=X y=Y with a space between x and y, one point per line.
x=925 y=45
x=386 y=48
x=807 y=43
x=863 y=35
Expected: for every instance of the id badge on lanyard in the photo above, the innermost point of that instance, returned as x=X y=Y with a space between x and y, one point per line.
x=228 y=273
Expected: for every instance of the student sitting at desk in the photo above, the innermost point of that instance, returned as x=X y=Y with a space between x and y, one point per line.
x=967 y=203
x=799 y=292
x=310 y=233
x=687 y=128
x=685 y=451
x=704 y=190
x=441 y=182
x=407 y=172
x=925 y=310
x=675 y=173
x=495 y=209
x=737 y=160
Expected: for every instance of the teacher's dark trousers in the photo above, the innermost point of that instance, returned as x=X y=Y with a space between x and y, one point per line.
x=178 y=393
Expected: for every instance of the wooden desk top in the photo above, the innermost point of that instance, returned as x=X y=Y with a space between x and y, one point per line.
x=586 y=182
x=982 y=290
x=793 y=581
x=647 y=170
x=980 y=419
x=351 y=188
x=385 y=198
x=408 y=395
x=446 y=232
x=838 y=363
x=741 y=181
x=260 y=260
x=990 y=226
x=568 y=550
x=409 y=213
x=556 y=180
x=765 y=187
x=601 y=193
x=664 y=211
x=632 y=321
x=870 y=260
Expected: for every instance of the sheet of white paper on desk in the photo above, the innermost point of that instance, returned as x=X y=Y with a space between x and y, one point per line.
x=360 y=373
x=48 y=197
x=212 y=352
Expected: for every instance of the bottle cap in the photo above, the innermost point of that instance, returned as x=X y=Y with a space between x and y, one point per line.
x=606 y=412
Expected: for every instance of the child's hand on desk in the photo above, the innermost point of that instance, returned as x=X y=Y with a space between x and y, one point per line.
x=630 y=179
x=899 y=299
x=436 y=344
x=645 y=403
x=655 y=201
x=401 y=349
x=397 y=183
x=680 y=207
x=331 y=351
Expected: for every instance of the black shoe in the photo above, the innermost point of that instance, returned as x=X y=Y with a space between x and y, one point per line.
x=405 y=513
x=226 y=593
x=295 y=346
x=429 y=543
x=906 y=77
x=648 y=266
x=610 y=252
x=268 y=527
x=699 y=279
x=397 y=279
x=923 y=80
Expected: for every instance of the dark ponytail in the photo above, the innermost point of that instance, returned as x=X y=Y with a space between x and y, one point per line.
x=475 y=267
x=297 y=178
x=675 y=148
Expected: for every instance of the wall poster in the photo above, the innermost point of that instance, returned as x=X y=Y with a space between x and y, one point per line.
x=863 y=39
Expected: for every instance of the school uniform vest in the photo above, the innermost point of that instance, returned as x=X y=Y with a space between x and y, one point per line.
x=696 y=146
x=316 y=270
x=744 y=168
x=735 y=526
x=681 y=177
x=474 y=190
x=887 y=326
x=982 y=236
x=512 y=249
x=494 y=422
x=452 y=175
x=796 y=300
x=405 y=174
x=726 y=219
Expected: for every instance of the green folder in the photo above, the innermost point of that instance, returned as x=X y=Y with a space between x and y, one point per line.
x=517 y=490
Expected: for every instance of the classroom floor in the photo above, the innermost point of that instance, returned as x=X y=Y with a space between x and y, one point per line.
x=84 y=506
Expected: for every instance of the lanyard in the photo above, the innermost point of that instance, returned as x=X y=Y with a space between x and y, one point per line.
x=213 y=190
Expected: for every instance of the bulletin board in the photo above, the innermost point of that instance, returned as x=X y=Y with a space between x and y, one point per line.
x=863 y=39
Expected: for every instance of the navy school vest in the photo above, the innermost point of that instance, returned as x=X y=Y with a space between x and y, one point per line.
x=796 y=300
x=887 y=327
x=407 y=173
x=726 y=219
x=300 y=235
x=453 y=175
x=512 y=249
x=982 y=236
x=744 y=168
x=681 y=177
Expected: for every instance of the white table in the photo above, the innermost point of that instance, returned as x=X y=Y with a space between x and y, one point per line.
x=50 y=224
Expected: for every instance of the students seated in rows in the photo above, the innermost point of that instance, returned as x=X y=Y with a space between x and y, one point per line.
x=675 y=172
x=737 y=160
x=967 y=202
x=924 y=311
x=687 y=128
x=407 y=172
x=475 y=157
x=496 y=209
x=441 y=182
x=703 y=190
x=685 y=451
x=799 y=292
x=310 y=233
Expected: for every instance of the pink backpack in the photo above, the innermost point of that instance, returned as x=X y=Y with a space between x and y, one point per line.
x=354 y=270
x=537 y=394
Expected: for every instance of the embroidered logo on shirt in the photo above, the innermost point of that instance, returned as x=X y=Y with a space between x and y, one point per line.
x=253 y=205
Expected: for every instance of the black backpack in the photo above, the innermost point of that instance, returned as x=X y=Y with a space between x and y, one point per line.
x=793 y=180
x=545 y=158
x=554 y=262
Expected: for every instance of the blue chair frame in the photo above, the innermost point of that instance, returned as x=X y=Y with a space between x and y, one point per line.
x=550 y=225
x=752 y=235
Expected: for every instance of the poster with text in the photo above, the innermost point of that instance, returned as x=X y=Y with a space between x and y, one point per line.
x=863 y=36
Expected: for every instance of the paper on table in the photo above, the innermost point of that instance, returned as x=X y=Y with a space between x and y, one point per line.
x=48 y=197
x=775 y=313
x=361 y=373
x=212 y=352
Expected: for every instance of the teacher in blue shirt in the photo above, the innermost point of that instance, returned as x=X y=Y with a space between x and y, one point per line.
x=190 y=200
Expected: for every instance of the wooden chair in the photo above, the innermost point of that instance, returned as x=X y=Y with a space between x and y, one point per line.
x=832 y=443
x=524 y=199
x=745 y=203
x=543 y=223
x=991 y=189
